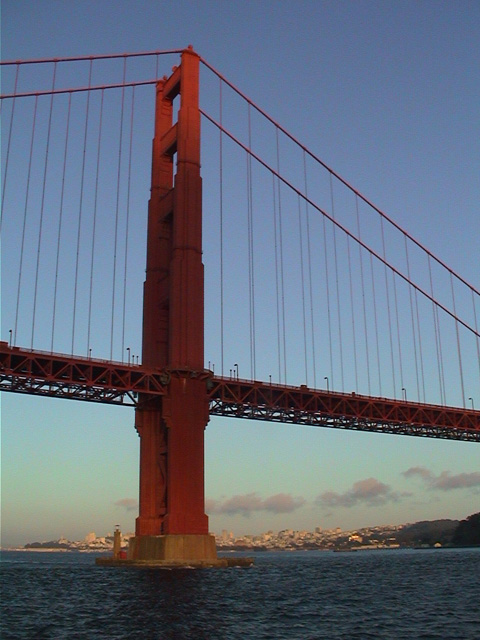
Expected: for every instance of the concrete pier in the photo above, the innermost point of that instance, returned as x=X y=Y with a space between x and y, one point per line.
x=174 y=550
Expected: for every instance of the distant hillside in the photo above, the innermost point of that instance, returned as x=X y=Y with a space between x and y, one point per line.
x=427 y=533
x=468 y=531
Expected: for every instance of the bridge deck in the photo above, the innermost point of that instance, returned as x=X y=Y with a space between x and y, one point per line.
x=59 y=375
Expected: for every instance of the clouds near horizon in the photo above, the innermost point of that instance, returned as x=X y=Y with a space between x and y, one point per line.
x=129 y=504
x=369 y=492
x=445 y=481
x=249 y=503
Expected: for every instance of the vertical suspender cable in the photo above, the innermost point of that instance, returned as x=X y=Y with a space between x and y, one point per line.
x=27 y=193
x=277 y=286
x=387 y=291
x=7 y=154
x=420 y=350
x=79 y=230
x=399 y=343
x=413 y=321
x=354 y=333
x=363 y=295
x=282 y=279
x=60 y=220
x=127 y=221
x=459 y=353
x=304 y=313
x=117 y=210
x=327 y=284
x=339 y=313
x=307 y=211
x=42 y=206
x=251 y=270
x=375 y=321
x=94 y=225
x=437 y=337
x=476 y=337
x=221 y=231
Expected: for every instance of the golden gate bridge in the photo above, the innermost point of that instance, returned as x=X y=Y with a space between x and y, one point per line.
x=274 y=291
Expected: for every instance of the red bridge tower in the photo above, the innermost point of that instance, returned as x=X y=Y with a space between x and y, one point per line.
x=172 y=524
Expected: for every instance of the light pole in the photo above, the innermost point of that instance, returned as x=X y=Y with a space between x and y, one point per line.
x=128 y=349
x=404 y=394
x=236 y=365
x=471 y=400
x=328 y=387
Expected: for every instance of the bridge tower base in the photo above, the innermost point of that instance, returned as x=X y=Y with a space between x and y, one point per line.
x=181 y=548
x=174 y=551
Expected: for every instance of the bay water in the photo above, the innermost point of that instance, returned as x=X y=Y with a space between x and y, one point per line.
x=429 y=594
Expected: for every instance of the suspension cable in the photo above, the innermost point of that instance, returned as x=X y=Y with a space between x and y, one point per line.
x=42 y=206
x=327 y=216
x=7 y=154
x=310 y=280
x=94 y=225
x=117 y=208
x=27 y=193
x=127 y=221
x=336 y=175
x=60 y=220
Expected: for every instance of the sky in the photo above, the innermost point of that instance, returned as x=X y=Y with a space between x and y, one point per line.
x=387 y=94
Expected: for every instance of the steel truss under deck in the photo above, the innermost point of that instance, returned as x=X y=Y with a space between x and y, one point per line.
x=63 y=376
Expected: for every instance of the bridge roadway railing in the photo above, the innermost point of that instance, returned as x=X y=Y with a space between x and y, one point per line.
x=81 y=378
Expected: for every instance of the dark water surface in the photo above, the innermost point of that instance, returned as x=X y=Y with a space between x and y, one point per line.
x=415 y=594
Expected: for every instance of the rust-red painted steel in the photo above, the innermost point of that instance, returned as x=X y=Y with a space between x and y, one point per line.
x=300 y=405
x=63 y=376
x=171 y=427
x=33 y=372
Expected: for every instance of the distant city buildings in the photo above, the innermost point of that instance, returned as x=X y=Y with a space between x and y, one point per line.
x=435 y=533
